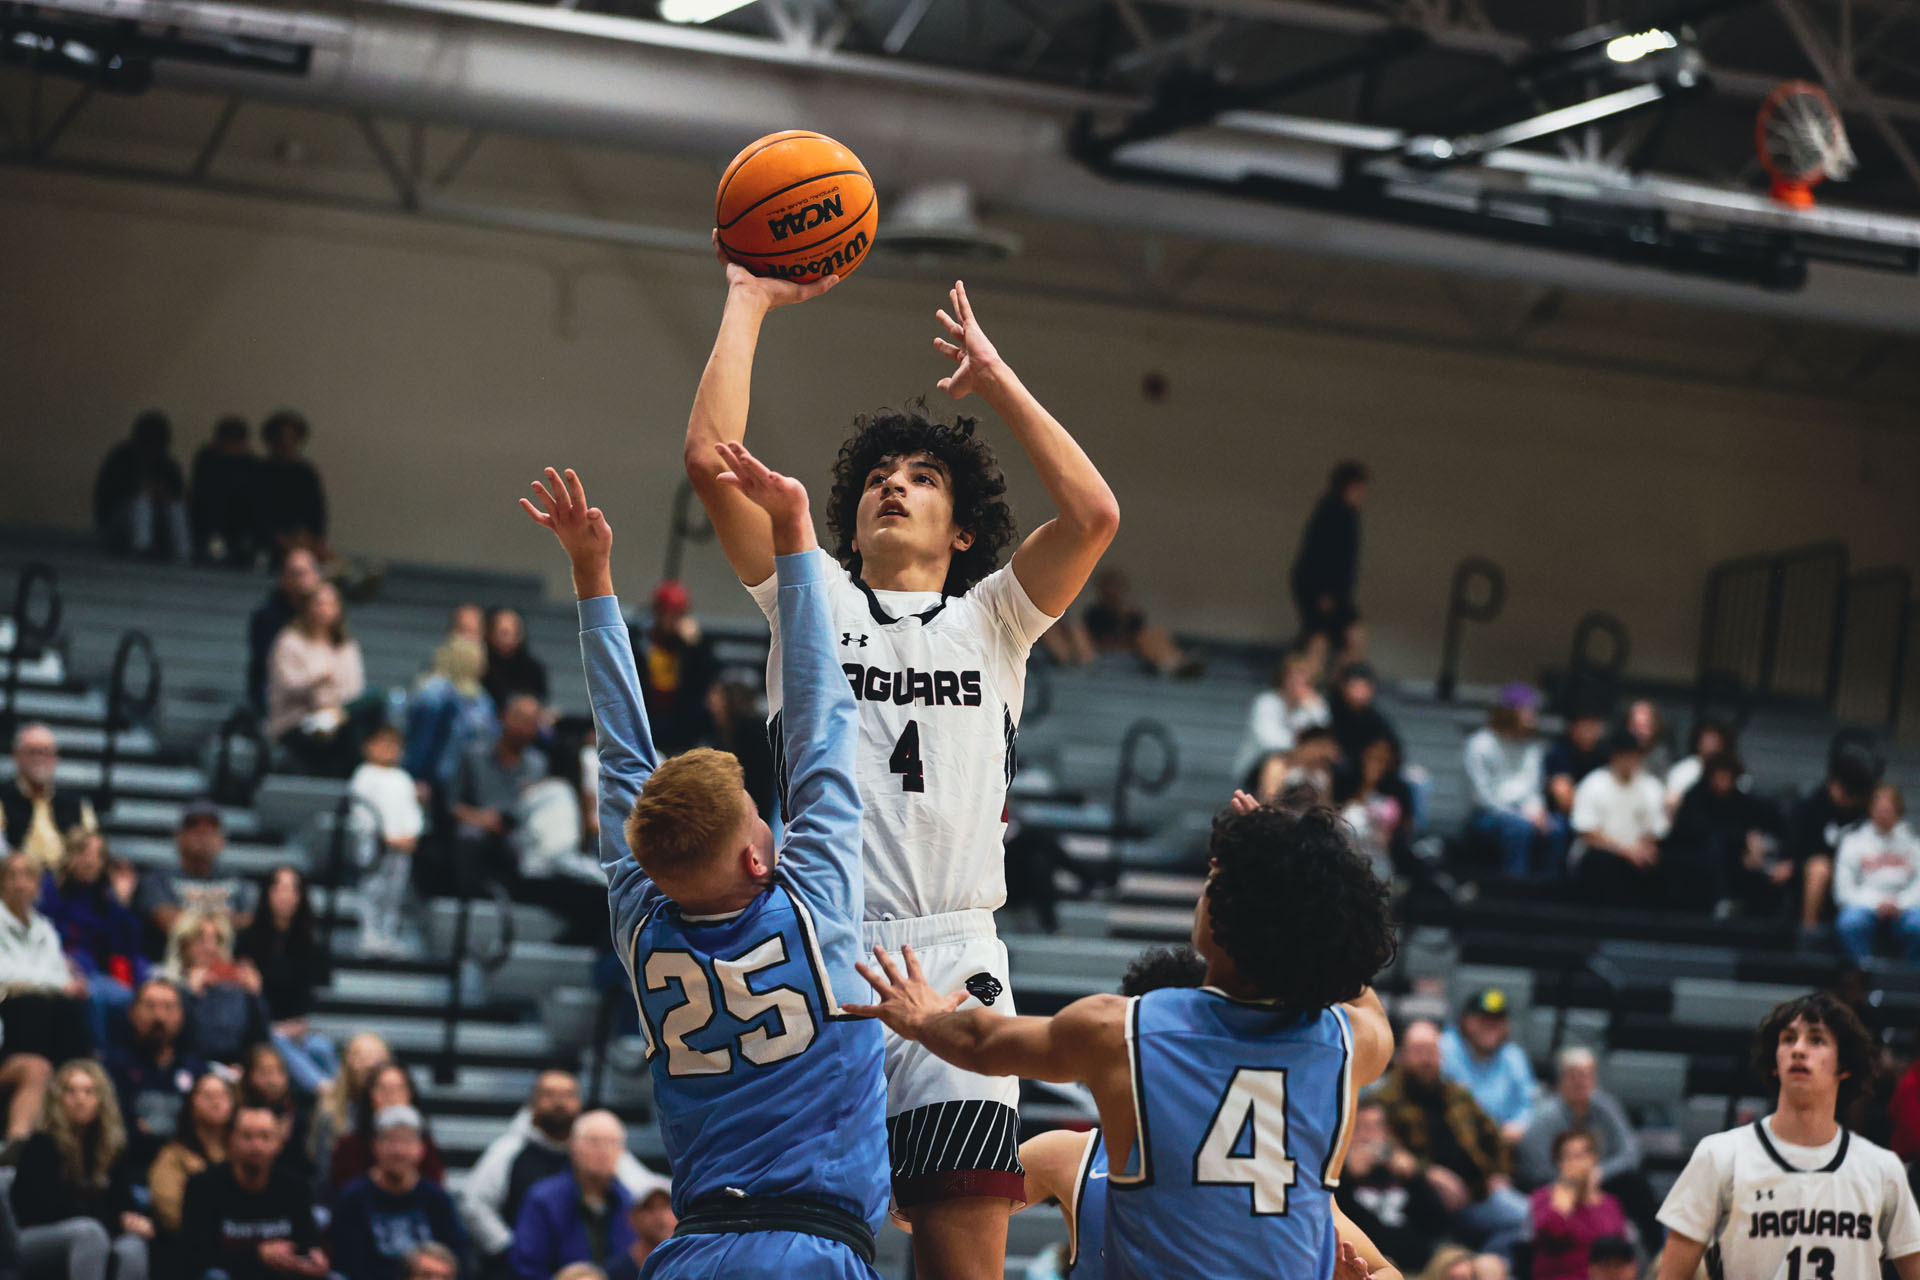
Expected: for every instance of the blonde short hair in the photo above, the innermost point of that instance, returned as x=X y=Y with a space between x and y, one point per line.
x=686 y=812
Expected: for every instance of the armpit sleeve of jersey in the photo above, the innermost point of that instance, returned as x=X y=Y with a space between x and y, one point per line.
x=627 y=755
x=820 y=727
x=1899 y=1217
x=1025 y=622
x=1700 y=1195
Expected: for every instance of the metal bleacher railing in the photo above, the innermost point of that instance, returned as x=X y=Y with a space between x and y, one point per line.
x=1478 y=594
x=31 y=634
x=1129 y=778
x=126 y=707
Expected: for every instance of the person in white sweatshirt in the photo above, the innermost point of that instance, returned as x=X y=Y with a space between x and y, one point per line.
x=391 y=792
x=1506 y=768
x=1876 y=876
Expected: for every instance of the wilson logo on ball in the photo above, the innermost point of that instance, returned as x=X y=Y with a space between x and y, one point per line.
x=839 y=262
x=805 y=218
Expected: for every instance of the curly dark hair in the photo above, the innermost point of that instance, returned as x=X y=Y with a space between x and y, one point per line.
x=979 y=490
x=1851 y=1039
x=1298 y=910
x=1159 y=967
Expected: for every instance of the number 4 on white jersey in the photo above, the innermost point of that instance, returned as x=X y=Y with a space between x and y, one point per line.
x=1256 y=1100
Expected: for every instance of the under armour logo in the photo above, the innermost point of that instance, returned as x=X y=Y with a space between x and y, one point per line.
x=847 y=637
x=984 y=987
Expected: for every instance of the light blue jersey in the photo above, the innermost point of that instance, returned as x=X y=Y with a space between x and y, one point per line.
x=764 y=1086
x=1087 y=1249
x=1242 y=1114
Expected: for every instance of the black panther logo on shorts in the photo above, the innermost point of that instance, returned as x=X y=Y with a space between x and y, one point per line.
x=984 y=987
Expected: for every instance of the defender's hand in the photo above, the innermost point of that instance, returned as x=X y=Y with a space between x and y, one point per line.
x=970 y=349
x=783 y=498
x=907 y=1002
x=583 y=531
x=1243 y=803
x=767 y=292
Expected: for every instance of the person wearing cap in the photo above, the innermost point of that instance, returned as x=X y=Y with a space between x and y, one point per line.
x=381 y=1217
x=197 y=884
x=676 y=666
x=1480 y=1054
x=1620 y=817
x=1506 y=770
x=37 y=814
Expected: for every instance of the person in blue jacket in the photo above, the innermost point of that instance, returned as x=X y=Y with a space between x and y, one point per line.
x=771 y=1098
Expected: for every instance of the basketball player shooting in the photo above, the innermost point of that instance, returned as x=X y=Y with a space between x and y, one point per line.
x=1795 y=1196
x=933 y=638
x=1226 y=1107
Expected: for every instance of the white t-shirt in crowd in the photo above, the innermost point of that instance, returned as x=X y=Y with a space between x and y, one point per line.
x=1872 y=866
x=30 y=955
x=390 y=791
x=1770 y=1210
x=1624 y=812
x=1273 y=726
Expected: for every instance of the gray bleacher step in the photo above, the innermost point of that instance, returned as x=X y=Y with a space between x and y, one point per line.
x=164 y=815
x=1101 y=962
x=1645 y=1078
x=86 y=706
x=400 y=990
x=424 y=1034
x=1719 y=1002
x=535 y=970
x=530 y=924
x=251 y=860
x=129 y=776
x=81 y=741
x=1157 y=887
x=570 y=1015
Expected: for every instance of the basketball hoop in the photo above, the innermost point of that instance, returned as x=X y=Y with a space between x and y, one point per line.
x=1801 y=142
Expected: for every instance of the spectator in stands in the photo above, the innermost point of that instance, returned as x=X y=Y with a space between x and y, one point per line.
x=388 y=1085
x=1455 y=1262
x=1722 y=850
x=653 y=1221
x=197 y=884
x=225 y=1013
x=581 y=1214
x=73 y=1192
x=44 y=1013
x=333 y=1113
x=1876 y=879
x=281 y=947
x=1579 y=751
x=38 y=813
x=1506 y=772
x=1710 y=738
x=299 y=578
x=125 y=879
x=1383 y=1192
x=291 y=501
x=199 y=1141
x=1572 y=1212
x=380 y=1217
x=1377 y=804
x=97 y=931
x=1612 y=1258
x=468 y=620
x=450 y=713
x=316 y=687
x=225 y=524
x=1459 y=1145
x=1578 y=1102
x=265 y=1082
x=1650 y=731
x=431 y=1261
x=391 y=793
x=140 y=496
x=1813 y=833
x=1356 y=720
x=487 y=793
x=1620 y=817
x=534 y=1148
x=677 y=667
x=1114 y=623
x=511 y=667
x=154 y=1074
x=250 y=1217
x=1275 y=720
x=1480 y=1054
x=1326 y=568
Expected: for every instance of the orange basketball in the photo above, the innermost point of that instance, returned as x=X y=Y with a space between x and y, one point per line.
x=796 y=204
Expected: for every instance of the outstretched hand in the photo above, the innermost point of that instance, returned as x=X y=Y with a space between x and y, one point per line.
x=783 y=498
x=1243 y=803
x=583 y=531
x=1350 y=1265
x=906 y=1001
x=970 y=348
x=768 y=291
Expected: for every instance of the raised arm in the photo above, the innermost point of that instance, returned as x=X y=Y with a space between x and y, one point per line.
x=627 y=755
x=818 y=720
x=1056 y=559
x=720 y=415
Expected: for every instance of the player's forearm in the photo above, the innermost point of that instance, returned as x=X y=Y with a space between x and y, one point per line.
x=726 y=386
x=592 y=576
x=1080 y=494
x=989 y=1043
x=1680 y=1259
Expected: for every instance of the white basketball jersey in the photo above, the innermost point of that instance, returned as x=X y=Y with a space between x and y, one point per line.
x=1768 y=1210
x=939 y=681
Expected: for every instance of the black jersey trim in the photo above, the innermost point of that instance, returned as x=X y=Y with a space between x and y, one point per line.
x=1839 y=1156
x=884 y=618
x=1079 y=1198
x=1118 y=1178
x=1343 y=1102
x=633 y=980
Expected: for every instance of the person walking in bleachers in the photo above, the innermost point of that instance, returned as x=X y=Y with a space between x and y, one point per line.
x=1578 y=1102
x=511 y=667
x=140 y=495
x=316 y=685
x=383 y=1215
x=281 y=946
x=582 y=1213
x=1326 y=569
x=225 y=525
x=43 y=998
x=1480 y=1054
x=1710 y=738
x=487 y=791
x=154 y=1072
x=198 y=883
x=391 y=793
x=199 y=1141
x=225 y=1013
x=1822 y=817
x=1580 y=750
x=73 y=1192
x=98 y=932
x=1876 y=879
x=1619 y=819
x=1572 y=1211
x=1723 y=850
x=250 y=1217
x=388 y=1085
x=292 y=502
x=1459 y=1145
x=1506 y=772
x=38 y=813
x=677 y=666
x=298 y=579
x=1276 y=718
